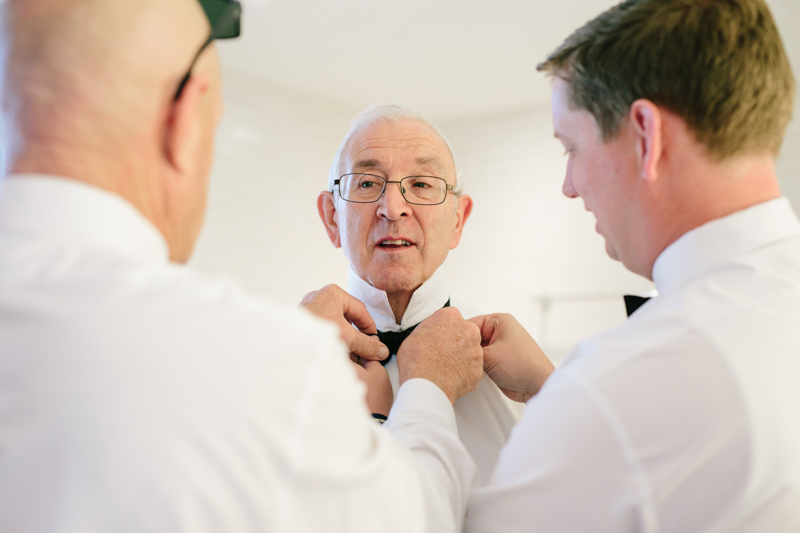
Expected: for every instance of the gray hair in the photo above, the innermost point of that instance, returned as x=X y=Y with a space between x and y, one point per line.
x=389 y=113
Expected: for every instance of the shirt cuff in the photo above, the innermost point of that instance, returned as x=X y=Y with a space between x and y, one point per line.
x=418 y=394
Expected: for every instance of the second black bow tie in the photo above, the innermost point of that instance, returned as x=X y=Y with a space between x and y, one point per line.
x=632 y=303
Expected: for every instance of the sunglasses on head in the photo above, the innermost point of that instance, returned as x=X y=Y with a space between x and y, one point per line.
x=225 y=17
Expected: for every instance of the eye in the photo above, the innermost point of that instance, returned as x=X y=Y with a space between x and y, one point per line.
x=366 y=181
x=422 y=182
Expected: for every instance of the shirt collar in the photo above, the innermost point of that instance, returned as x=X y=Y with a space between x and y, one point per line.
x=427 y=299
x=724 y=238
x=65 y=209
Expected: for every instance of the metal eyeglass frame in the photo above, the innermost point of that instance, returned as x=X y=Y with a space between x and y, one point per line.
x=386 y=182
x=225 y=17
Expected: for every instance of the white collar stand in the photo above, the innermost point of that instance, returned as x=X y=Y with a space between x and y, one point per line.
x=426 y=300
x=723 y=238
x=68 y=210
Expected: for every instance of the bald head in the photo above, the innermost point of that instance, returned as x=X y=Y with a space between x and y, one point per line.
x=93 y=70
x=88 y=94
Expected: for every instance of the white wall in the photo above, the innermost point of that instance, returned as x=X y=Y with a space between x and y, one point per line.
x=273 y=153
x=527 y=249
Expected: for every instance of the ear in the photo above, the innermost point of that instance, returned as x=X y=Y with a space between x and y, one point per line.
x=645 y=118
x=183 y=130
x=463 y=211
x=326 y=206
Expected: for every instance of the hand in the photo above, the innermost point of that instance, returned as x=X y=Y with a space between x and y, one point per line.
x=446 y=350
x=379 y=389
x=511 y=357
x=333 y=303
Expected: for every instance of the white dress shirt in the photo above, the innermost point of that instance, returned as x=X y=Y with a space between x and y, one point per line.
x=484 y=416
x=139 y=395
x=686 y=418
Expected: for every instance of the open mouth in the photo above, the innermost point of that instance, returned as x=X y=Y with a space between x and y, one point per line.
x=389 y=244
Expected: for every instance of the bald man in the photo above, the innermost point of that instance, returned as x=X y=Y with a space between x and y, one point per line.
x=138 y=395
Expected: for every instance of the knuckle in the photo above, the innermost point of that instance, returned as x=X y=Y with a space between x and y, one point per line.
x=308 y=296
x=330 y=290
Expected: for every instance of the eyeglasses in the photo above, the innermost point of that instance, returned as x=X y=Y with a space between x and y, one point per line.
x=417 y=190
x=225 y=18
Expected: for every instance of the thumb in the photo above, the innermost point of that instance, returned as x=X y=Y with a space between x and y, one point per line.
x=365 y=346
x=487 y=324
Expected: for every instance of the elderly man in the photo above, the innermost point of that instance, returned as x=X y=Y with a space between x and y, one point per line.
x=686 y=417
x=138 y=395
x=394 y=205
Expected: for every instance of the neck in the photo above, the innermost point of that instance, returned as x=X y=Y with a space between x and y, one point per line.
x=399 y=303
x=69 y=160
x=708 y=192
x=124 y=172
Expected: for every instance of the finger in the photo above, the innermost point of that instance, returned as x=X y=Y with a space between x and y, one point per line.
x=490 y=359
x=487 y=324
x=365 y=346
x=307 y=298
x=475 y=331
x=447 y=311
x=514 y=395
x=371 y=366
x=356 y=313
x=361 y=373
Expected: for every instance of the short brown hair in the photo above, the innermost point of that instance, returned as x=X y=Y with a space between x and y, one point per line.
x=719 y=64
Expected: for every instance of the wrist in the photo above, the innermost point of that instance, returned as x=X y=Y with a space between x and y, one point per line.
x=448 y=391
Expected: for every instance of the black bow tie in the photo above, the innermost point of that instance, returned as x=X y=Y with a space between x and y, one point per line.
x=632 y=303
x=393 y=339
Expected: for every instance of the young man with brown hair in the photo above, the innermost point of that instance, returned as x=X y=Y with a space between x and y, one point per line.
x=685 y=418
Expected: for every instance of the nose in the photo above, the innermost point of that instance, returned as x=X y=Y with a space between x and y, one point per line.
x=567 y=188
x=392 y=204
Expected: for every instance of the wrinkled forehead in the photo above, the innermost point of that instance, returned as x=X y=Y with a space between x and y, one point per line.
x=393 y=148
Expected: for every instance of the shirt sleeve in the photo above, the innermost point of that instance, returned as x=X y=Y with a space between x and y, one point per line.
x=422 y=418
x=563 y=470
x=351 y=474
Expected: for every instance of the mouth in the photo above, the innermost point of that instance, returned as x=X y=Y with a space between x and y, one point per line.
x=392 y=243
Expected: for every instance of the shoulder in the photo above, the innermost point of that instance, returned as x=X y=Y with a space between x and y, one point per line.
x=182 y=295
x=175 y=321
x=660 y=363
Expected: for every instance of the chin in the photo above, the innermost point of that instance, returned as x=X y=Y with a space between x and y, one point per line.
x=611 y=251
x=394 y=280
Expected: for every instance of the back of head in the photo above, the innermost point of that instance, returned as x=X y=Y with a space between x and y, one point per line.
x=718 y=64
x=91 y=73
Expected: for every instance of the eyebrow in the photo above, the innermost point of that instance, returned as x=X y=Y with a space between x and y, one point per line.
x=425 y=161
x=367 y=164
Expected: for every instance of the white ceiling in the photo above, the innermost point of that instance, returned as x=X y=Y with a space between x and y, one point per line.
x=448 y=58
